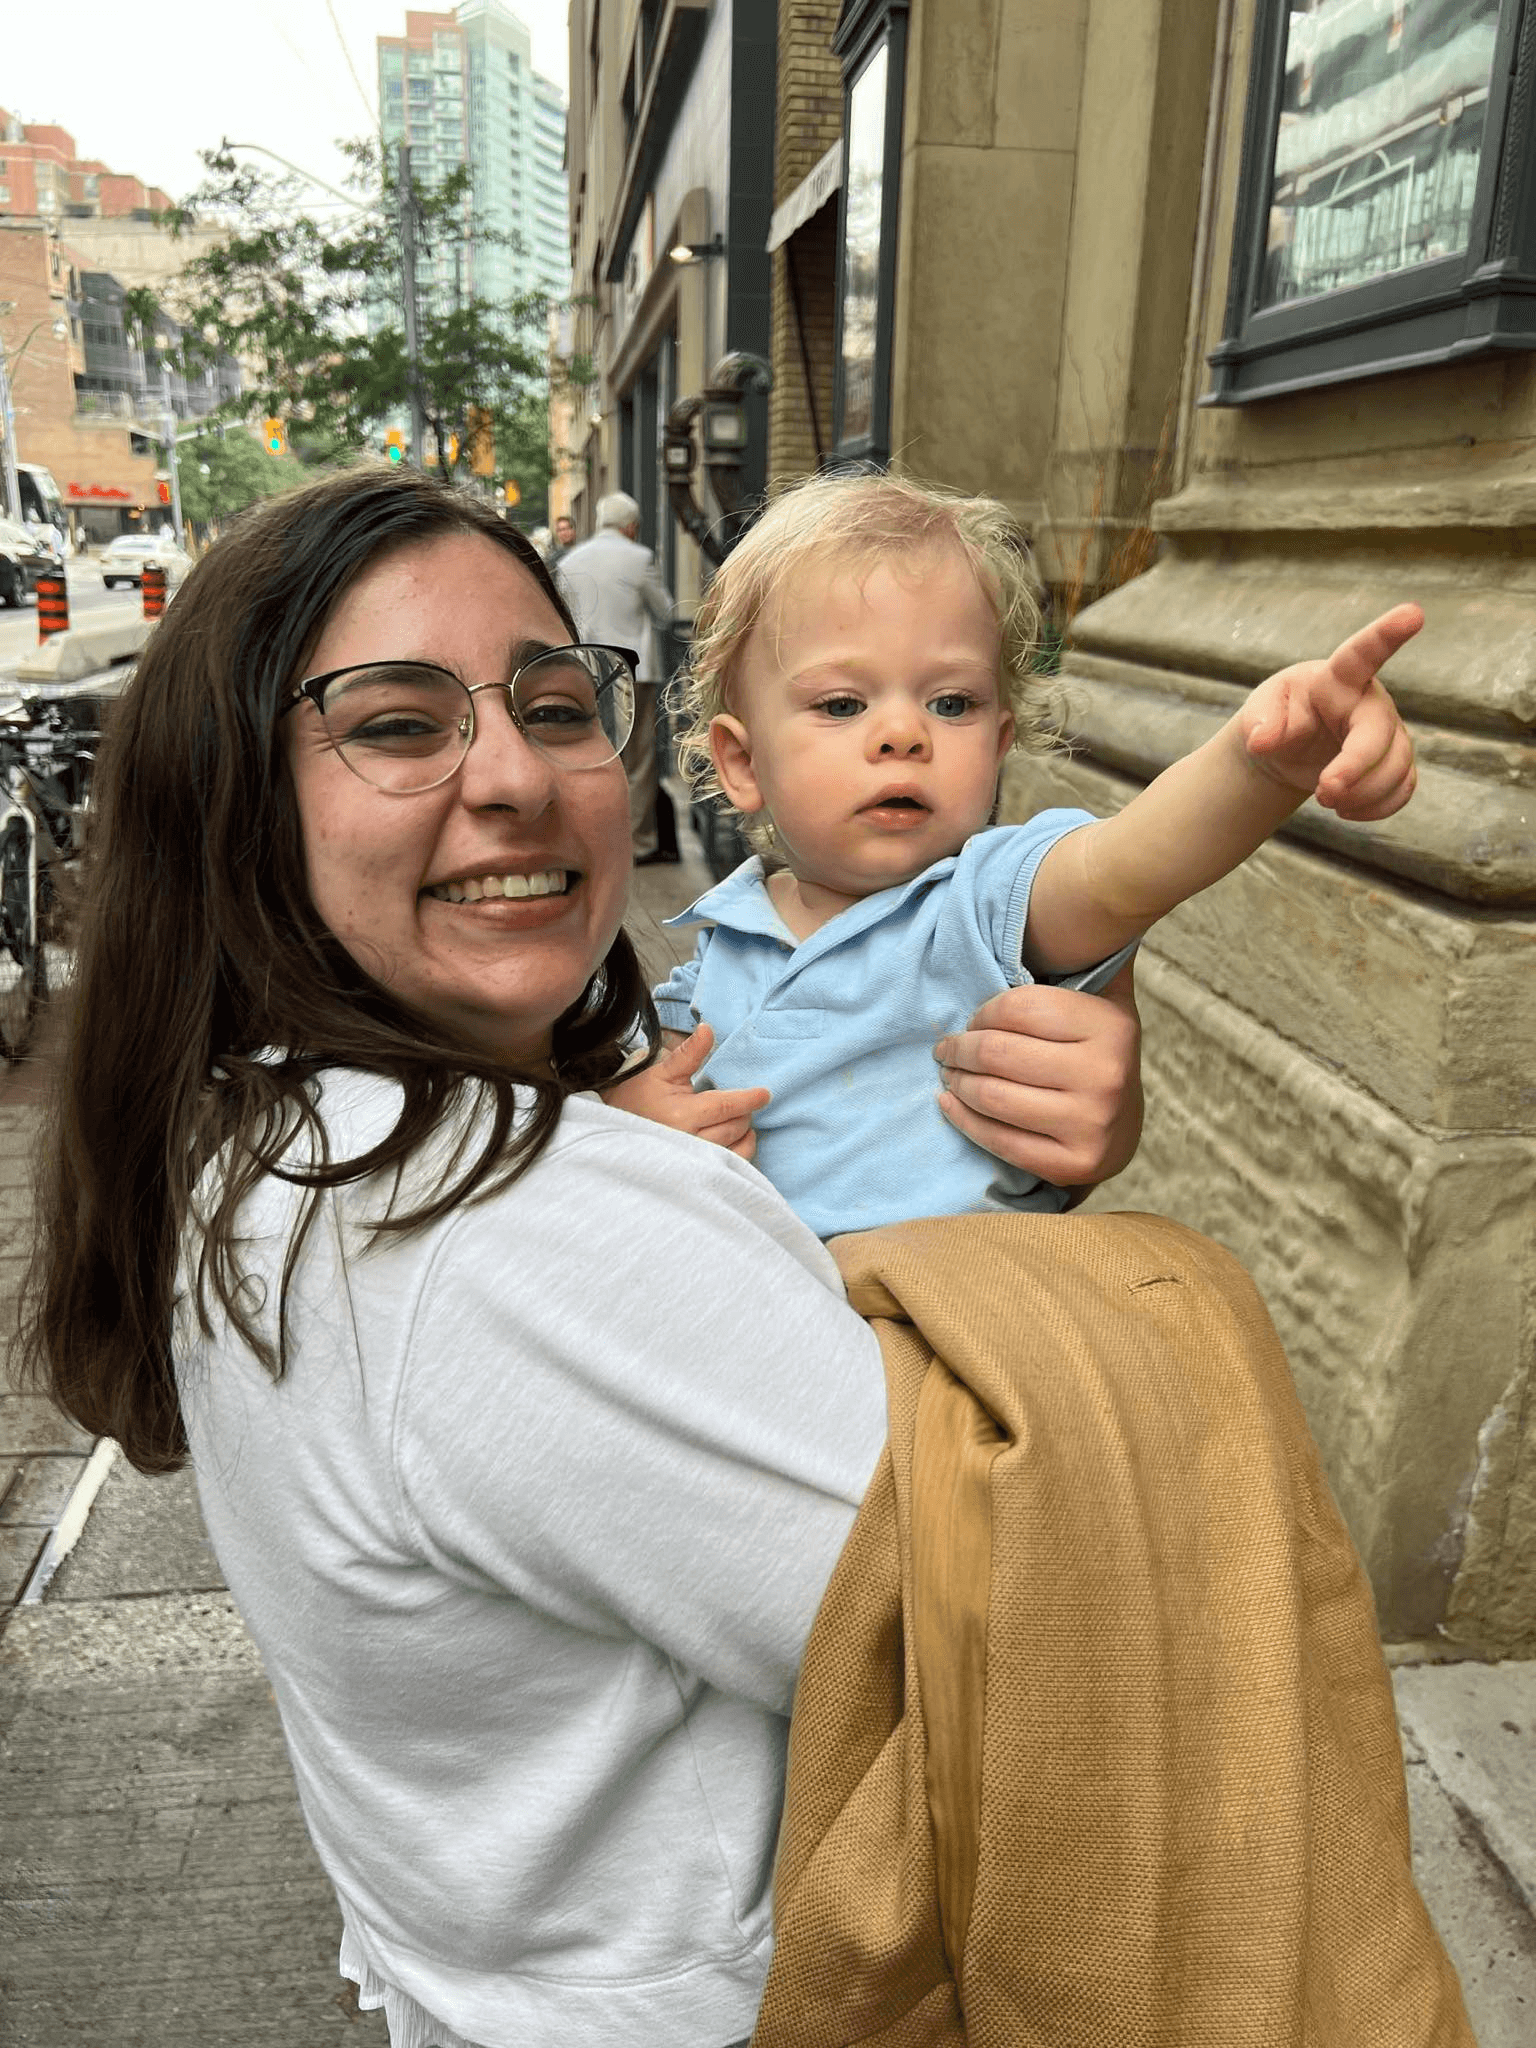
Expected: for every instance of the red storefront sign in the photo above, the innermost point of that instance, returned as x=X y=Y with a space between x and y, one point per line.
x=115 y=492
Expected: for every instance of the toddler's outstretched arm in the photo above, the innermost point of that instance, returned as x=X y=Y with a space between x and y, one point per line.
x=1323 y=728
x=665 y=1093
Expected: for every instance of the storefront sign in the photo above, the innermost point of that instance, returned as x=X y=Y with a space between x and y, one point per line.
x=79 y=494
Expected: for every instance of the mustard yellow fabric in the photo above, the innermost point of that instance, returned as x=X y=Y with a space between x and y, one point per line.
x=1094 y=1746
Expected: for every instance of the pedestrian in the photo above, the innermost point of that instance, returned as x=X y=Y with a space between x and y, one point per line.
x=616 y=595
x=564 y=540
x=863 y=663
x=527 y=1433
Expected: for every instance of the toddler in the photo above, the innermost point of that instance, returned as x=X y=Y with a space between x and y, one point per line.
x=860 y=671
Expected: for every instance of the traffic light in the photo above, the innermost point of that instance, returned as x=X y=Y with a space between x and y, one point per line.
x=394 y=444
x=273 y=434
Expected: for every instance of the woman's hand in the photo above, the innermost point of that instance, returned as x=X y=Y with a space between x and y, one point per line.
x=1049 y=1079
x=665 y=1093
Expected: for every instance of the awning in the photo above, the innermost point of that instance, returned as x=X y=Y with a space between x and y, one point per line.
x=808 y=197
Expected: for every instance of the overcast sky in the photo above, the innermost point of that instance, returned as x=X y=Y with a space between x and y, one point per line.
x=144 y=88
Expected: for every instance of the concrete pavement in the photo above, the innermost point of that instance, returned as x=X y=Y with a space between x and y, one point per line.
x=157 y=1889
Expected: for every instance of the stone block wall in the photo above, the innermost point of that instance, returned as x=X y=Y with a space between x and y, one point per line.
x=1340 y=1037
x=801 y=404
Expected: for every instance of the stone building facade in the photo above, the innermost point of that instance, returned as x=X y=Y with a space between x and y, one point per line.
x=670 y=148
x=90 y=393
x=1075 y=254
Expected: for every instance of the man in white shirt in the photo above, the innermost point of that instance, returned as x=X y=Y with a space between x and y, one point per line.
x=617 y=597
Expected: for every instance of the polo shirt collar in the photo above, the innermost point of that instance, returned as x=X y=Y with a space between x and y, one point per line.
x=741 y=903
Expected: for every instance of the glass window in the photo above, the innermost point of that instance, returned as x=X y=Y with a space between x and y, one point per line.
x=861 y=241
x=1386 y=207
x=1379 y=140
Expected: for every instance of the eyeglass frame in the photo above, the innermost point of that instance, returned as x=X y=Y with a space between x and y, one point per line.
x=312 y=689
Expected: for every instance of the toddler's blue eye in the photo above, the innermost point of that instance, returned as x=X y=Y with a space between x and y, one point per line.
x=953 y=704
x=840 y=707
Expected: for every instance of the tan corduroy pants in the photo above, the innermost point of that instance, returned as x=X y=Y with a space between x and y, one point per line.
x=1094 y=1746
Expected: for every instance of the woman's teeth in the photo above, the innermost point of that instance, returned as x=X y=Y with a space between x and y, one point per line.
x=551 y=882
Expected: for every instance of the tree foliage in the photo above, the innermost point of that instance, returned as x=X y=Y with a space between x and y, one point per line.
x=317 y=309
x=223 y=472
x=522 y=454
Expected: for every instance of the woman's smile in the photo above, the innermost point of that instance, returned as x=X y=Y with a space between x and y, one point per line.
x=488 y=888
x=488 y=902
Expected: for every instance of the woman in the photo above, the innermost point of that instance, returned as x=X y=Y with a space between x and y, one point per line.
x=527 y=1433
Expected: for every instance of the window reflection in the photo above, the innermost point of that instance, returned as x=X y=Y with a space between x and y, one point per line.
x=1380 y=138
x=861 y=246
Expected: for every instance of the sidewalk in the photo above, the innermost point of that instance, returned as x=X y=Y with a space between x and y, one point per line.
x=157 y=1889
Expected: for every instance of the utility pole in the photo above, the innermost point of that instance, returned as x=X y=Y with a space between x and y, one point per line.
x=8 y=427
x=8 y=424
x=171 y=457
x=408 y=267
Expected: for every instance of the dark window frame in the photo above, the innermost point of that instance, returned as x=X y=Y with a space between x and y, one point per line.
x=862 y=27
x=1478 y=302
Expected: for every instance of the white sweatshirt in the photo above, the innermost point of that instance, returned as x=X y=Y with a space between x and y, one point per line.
x=530 y=1538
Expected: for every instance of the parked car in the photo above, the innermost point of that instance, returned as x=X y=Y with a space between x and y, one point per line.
x=122 y=560
x=22 y=561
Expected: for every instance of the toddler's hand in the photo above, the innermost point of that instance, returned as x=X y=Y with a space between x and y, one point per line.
x=1329 y=728
x=665 y=1093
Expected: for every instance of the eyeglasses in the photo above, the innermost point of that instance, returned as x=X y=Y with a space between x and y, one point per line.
x=405 y=726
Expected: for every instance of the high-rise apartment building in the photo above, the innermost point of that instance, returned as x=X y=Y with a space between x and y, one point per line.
x=461 y=88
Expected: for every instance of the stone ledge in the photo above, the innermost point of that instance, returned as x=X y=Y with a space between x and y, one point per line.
x=1465 y=834
x=1501 y=498
x=1419 y=1003
x=1239 y=618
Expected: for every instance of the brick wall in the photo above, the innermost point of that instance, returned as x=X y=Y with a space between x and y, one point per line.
x=792 y=422
x=809 y=121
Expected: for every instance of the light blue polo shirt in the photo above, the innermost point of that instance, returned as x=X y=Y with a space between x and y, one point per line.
x=842 y=1025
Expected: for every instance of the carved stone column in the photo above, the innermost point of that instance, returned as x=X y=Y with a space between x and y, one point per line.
x=1341 y=1038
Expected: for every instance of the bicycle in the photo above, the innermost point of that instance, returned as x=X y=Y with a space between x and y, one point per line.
x=46 y=753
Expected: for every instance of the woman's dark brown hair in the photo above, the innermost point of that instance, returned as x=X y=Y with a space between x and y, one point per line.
x=209 y=994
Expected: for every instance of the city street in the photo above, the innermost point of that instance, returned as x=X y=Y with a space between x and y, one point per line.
x=88 y=599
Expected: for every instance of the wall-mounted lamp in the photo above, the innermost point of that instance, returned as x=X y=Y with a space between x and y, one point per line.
x=697 y=252
x=719 y=414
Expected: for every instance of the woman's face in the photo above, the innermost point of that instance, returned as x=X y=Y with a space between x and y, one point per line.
x=498 y=972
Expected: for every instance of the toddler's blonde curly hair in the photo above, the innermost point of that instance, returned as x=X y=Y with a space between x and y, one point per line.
x=858 y=521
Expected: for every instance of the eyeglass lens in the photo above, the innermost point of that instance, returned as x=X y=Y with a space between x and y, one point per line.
x=405 y=726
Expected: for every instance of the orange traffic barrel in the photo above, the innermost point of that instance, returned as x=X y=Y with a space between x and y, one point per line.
x=52 y=604
x=154 y=590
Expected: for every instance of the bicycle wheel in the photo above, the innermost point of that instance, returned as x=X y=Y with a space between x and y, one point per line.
x=23 y=974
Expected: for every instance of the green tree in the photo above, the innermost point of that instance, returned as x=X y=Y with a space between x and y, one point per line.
x=522 y=455
x=222 y=473
x=320 y=309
